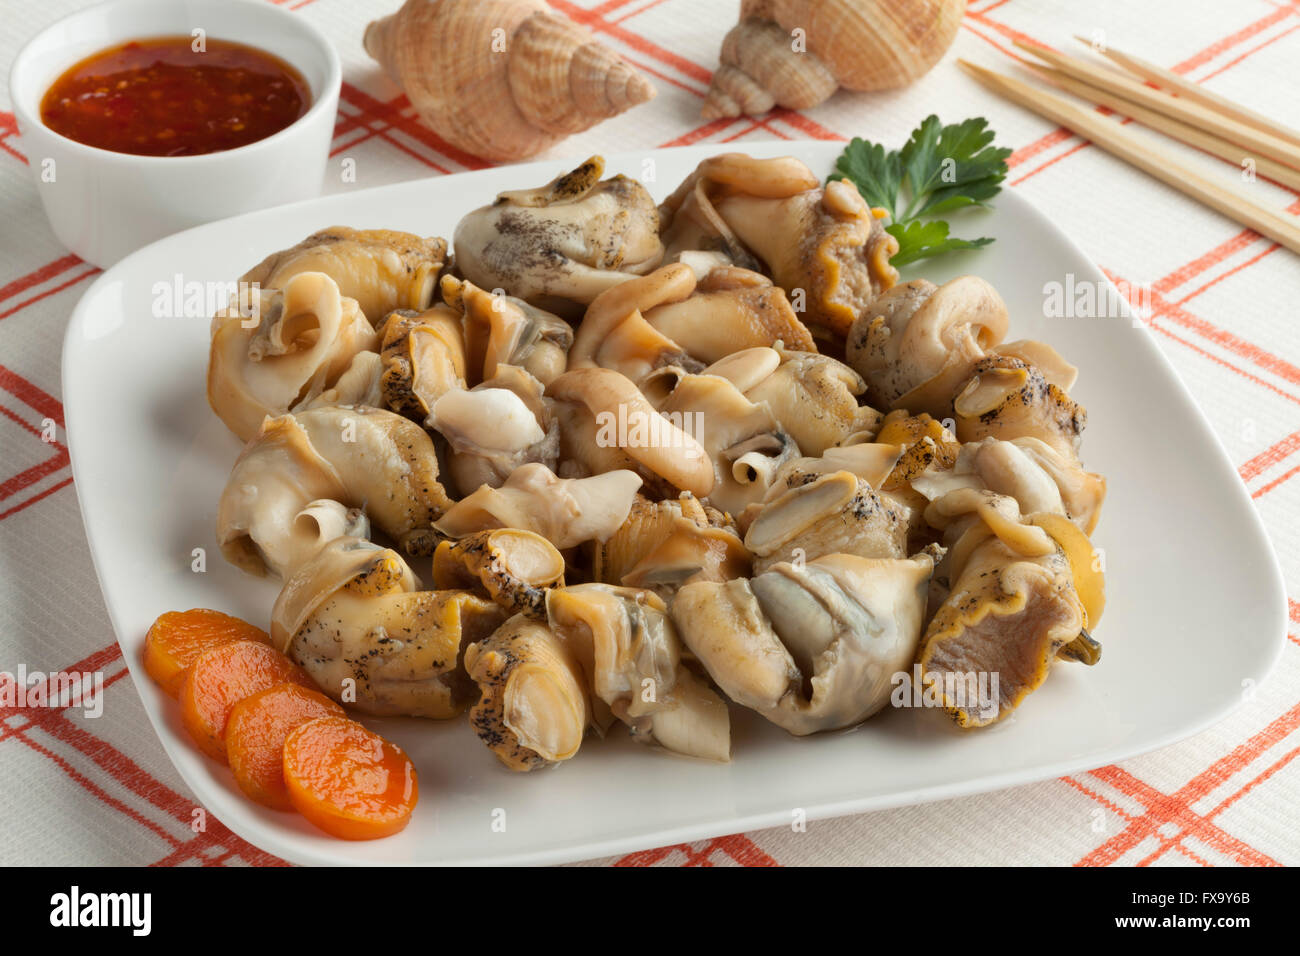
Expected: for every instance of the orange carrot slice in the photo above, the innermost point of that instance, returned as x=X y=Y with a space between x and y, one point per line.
x=177 y=638
x=348 y=781
x=223 y=676
x=255 y=736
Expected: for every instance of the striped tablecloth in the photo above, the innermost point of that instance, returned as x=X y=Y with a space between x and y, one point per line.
x=75 y=790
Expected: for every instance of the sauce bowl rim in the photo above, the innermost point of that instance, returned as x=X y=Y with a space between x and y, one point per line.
x=323 y=99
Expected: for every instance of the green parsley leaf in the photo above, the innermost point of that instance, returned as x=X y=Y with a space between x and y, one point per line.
x=919 y=240
x=939 y=170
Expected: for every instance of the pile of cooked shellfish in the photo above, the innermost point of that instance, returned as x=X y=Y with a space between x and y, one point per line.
x=659 y=459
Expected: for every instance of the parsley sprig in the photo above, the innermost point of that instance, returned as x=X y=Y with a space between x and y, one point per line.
x=940 y=169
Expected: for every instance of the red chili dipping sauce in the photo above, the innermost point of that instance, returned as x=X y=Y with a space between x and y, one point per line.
x=162 y=97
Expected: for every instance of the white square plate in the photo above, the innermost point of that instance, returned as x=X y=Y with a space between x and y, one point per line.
x=1195 y=604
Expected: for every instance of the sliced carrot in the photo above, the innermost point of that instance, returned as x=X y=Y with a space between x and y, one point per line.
x=348 y=781
x=177 y=638
x=223 y=676
x=255 y=736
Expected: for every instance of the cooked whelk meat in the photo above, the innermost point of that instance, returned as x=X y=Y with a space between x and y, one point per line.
x=1013 y=608
x=561 y=245
x=503 y=330
x=356 y=620
x=380 y=268
x=306 y=335
x=514 y=568
x=360 y=457
x=731 y=308
x=606 y=422
x=918 y=343
x=670 y=317
x=492 y=429
x=423 y=359
x=1006 y=398
x=836 y=513
x=565 y=511
x=744 y=443
x=811 y=648
x=665 y=544
x=1000 y=467
x=774 y=213
x=533 y=707
x=813 y=396
x=631 y=656
x=1082 y=492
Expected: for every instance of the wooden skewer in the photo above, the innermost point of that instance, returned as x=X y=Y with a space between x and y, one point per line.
x=1173 y=83
x=1110 y=136
x=1213 y=145
x=1193 y=114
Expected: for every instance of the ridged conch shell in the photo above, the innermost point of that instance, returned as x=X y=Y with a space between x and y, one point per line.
x=796 y=53
x=502 y=79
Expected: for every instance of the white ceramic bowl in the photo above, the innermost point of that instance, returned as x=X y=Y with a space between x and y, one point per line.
x=103 y=205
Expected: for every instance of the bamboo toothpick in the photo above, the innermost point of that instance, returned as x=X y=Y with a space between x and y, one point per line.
x=1151 y=159
x=1173 y=83
x=1211 y=144
x=1193 y=114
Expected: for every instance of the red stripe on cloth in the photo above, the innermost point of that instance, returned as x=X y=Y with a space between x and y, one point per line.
x=1009 y=32
x=1269 y=457
x=1240 y=757
x=45 y=272
x=1276 y=482
x=12 y=152
x=639 y=43
x=805 y=125
x=701 y=132
x=993 y=43
x=744 y=851
x=1238 y=346
x=1164 y=808
x=95 y=790
x=34 y=498
x=1212 y=258
x=1230 y=272
x=1024 y=153
x=636 y=13
x=29 y=477
x=1218 y=361
x=1228 y=42
x=39 y=399
x=391 y=113
x=1253 y=50
x=120 y=767
x=387 y=136
x=1051 y=162
x=49 y=292
x=738 y=846
x=26 y=425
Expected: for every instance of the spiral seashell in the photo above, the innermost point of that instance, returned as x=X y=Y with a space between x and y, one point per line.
x=502 y=79
x=796 y=53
